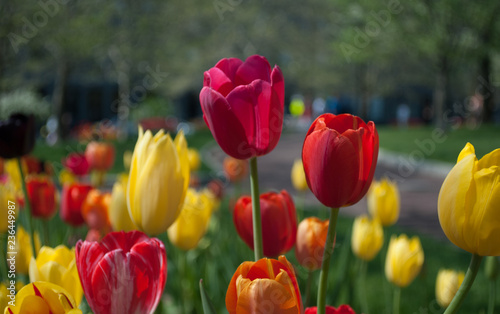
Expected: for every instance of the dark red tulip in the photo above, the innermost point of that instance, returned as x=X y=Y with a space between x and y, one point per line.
x=42 y=196
x=17 y=136
x=100 y=155
x=77 y=164
x=339 y=155
x=72 y=200
x=279 y=222
x=124 y=273
x=343 y=309
x=243 y=104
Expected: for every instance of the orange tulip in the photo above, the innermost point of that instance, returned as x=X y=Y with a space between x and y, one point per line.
x=311 y=239
x=100 y=155
x=95 y=210
x=235 y=169
x=265 y=286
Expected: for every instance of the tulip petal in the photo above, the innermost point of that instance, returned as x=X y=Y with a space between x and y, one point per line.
x=254 y=68
x=229 y=66
x=490 y=159
x=88 y=255
x=265 y=296
x=278 y=85
x=227 y=129
x=334 y=163
x=216 y=79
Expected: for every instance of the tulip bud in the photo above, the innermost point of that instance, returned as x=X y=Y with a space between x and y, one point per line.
x=119 y=216
x=447 y=284
x=404 y=260
x=42 y=195
x=235 y=169
x=298 y=176
x=311 y=239
x=383 y=201
x=194 y=159
x=367 y=238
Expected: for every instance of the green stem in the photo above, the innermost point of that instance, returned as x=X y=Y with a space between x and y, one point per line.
x=362 y=286
x=325 y=266
x=466 y=284
x=256 y=218
x=308 y=288
x=27 y=208
x=396 y=300
x=491 y=301
x=45 y=232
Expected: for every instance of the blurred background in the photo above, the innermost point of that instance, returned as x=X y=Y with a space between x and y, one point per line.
x=418 y=62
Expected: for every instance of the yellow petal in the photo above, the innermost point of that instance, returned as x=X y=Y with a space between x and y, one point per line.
x=466 y=151
x=264 y=296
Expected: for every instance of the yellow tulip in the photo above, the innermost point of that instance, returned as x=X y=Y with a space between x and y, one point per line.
x=192 y=223
x=7 y=193
x=57 y=266
x=194 y=159
x=383 y=201
x=43 y=298
x=367 y=237
x=12 y=169
x=127 y=159
x=24 y=251
x=4 y=297
x=298 y=176
x=159 y=178
x=447 y=283
x=404 y=260
x=119 y=216
x=66 y=177
x=469 y=200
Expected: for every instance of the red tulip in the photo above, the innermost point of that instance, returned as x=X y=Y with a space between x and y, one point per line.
x=100 y=155
x=265 y=286
x=243 y=104
x=124 y=273
x=279 y=222
x=343 y=309
x=73 y=197
x=42 y=196
x=77 y=163
x=339 y=155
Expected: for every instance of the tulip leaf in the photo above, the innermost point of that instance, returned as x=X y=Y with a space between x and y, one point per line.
x=208 y=307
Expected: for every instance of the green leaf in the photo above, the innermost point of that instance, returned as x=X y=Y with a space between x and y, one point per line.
x=208 y=307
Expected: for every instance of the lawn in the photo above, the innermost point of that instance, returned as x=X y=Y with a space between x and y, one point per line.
x=220 y=252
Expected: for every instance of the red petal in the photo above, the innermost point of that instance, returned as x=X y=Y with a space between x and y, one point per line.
x=224 y=124
x=216 y=79
x=278 y=84
x=229 y=66
x=88 y=255
x=254 y=68
x=242 y=218
x=123 y=240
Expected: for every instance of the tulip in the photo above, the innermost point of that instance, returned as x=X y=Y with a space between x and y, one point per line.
x=447 y=283
x=468 y=203
x=66 y=177
x=343 y=309
x=194 y=159
x=12 y=170
x=4 y=296
x=72 y=200
x=100 y=155
x=77 y=163
x=43 y=298
x=192 y=223
x=118 y=211
x=298 y=176
x=95 y=209
x=159 y=179
x=127 y=159
x=124 y=273
x=57 y=266
x=264 y=286
x=24 y=250
x=404 y=260
x=235 y=169
x=17 y=136
x=367 y=237
x=311 y=239
x=279 y=222
x=383 y=201
x=339 y=155
x=7 y=193
x=242 y=104
x=42 y=195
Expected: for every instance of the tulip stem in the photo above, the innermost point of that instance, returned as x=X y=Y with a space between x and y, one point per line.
x=3 y=252
x=396 y=300
x=466 y=284
x=491 y=301
x=256 y=218
x=27 y=208
x=362 y=287
x=308 y=288
x=325 y=266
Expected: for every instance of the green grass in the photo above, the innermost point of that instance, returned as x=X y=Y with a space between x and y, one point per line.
x=221 y=250
x=436 y=145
